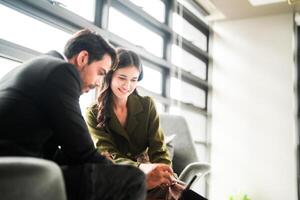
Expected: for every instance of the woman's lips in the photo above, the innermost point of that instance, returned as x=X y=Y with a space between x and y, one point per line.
x=123 y=91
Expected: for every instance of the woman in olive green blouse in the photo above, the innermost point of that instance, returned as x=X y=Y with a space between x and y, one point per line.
x=126 y=125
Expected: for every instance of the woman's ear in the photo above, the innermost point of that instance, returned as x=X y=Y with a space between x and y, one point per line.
x=82 y=59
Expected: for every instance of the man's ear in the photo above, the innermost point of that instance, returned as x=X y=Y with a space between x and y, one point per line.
x=82 y=59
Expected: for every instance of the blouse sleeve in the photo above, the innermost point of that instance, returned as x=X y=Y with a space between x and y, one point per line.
x=157 y=151
x=104 y=141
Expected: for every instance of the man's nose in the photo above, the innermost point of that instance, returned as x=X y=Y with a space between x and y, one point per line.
x=98 y=82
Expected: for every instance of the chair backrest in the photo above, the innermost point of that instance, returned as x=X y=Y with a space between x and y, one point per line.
x=184 y=149
x=30 y=179
x=201 y=169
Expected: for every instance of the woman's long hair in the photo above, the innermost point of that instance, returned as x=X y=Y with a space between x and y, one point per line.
x=126 y=58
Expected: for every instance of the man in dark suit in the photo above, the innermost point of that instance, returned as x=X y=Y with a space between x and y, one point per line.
x=40 y=117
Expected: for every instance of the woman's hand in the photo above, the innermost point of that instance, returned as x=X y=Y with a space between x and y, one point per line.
x=176 y=189
x=157 y=174
x=108 y=156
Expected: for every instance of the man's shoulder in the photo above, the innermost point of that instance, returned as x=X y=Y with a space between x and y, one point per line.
x=48 y=69
x=42 y=63
x=50 y=60
x=54 y=65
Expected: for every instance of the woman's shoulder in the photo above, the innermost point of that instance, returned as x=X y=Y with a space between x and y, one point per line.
x=92 y=108
x=145 y=100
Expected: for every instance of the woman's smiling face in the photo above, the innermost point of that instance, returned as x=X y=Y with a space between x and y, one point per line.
x=124 y=81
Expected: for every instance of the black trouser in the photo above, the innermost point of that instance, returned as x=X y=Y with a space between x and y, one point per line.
x=105 y=182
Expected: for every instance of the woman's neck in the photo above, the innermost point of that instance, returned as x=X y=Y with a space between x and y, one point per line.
x=120 y=104
x=120 y=109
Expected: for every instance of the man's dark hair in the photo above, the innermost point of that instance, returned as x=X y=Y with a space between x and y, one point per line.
x=91 y=42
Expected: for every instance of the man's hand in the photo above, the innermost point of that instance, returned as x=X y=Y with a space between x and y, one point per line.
x=157 y=174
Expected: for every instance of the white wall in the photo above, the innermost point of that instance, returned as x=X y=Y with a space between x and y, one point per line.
x=253 y=109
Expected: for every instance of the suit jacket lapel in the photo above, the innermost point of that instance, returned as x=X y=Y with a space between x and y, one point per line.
x=134 y=107
x=114 y=123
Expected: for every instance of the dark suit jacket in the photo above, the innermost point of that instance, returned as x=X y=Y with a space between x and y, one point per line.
x=141 y=134
x=39 y=111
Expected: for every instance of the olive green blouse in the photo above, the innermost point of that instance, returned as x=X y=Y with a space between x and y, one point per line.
x=142 y=133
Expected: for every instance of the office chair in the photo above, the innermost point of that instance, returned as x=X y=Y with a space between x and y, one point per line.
x=30 y=179
x=185 y=159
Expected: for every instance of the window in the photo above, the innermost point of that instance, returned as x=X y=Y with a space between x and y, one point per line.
x=84 y=8
x=159 y=106
x=188 y=62
x=86 y=100
x=134 y=32
x=201 y=152
x=189 y=32
x=155 y=8
x=152 y=80
x=192 y=9
x=6 y=66
x=26 y=31
x=187 y=93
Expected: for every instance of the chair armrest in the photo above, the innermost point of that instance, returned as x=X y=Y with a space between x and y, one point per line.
x=29 y=178
x=199 y=168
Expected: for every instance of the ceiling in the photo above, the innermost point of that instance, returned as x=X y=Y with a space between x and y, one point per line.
x=238 y=9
